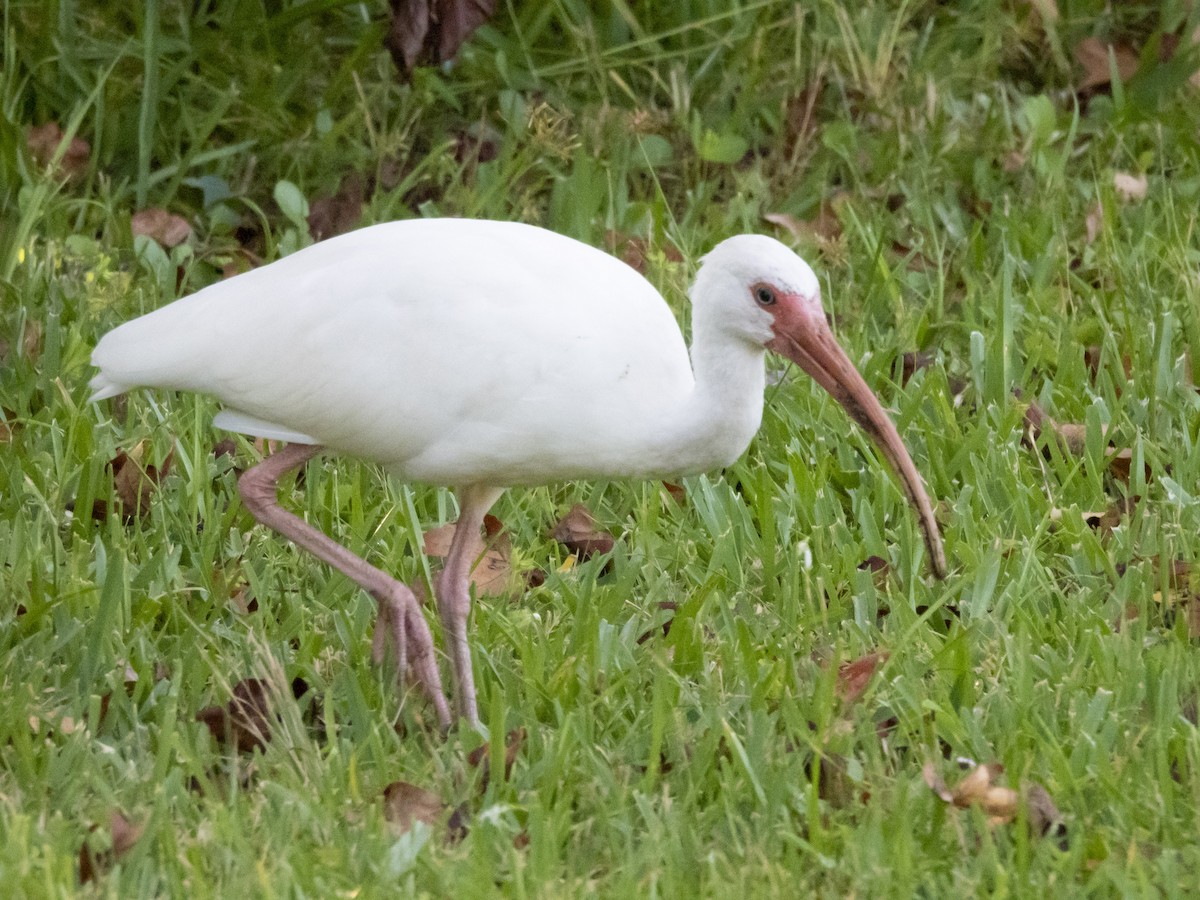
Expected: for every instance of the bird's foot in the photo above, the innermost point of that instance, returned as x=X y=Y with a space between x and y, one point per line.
x=401 y=625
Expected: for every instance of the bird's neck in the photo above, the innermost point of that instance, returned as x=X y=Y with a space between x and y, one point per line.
x=718 y=419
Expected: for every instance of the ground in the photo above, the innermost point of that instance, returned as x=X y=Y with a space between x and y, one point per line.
x=1000 y=200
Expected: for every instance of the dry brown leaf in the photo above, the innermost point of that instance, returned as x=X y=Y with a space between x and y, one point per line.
x=1094 y=223
x=123 y=835
x=1047 y=10
x=1013 y=161
x=635 y=251
x=1120 y=464
x=245 y=602
x=677 y=492
x=825 y=226
x=912 y=362
x=492 y=570
x=975 y=784
x=978 y=788
x=159 y=225
x=800 y=122
x=481 y=755
x=1044 y=817
x=432 y=30
x=1092 y=357
x=853 y=677
x=133 y=484
x=405 y=804
x=1092 y=56
x=43 y=142
x=1070 y=436
x=578 y=533
x=1195 y=79
x=664 y=606
x=935 y=781
x=32 y=340
x=1130 y=188
x=914 y=259
x=339 y=212
x=244 y=722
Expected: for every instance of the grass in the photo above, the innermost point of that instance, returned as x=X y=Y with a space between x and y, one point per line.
x=718 y=759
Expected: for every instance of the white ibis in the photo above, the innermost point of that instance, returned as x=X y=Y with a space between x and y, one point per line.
x=485 y=355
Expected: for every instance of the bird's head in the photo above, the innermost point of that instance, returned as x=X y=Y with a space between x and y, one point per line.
x=764 y=293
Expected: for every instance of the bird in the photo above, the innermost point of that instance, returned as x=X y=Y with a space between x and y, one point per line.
x=486 y=355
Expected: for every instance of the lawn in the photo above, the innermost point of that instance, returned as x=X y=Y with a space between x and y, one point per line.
x=756 y=692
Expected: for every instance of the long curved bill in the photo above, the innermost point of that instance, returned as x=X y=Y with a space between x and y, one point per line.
x=813 y=348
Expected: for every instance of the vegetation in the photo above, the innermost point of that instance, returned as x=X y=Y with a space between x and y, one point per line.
x=1005 y=224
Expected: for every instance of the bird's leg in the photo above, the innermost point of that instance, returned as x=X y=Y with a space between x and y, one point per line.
x=454 y=592
x=399 y=612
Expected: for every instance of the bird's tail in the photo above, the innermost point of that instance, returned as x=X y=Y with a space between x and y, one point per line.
x=104 y=387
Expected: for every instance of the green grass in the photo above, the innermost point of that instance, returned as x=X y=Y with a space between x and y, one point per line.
x=688 y=764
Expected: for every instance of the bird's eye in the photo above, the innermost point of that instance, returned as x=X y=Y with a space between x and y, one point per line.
x=764 y=295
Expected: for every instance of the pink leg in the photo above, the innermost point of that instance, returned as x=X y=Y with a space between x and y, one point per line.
x=400 y=616
x=454 y=592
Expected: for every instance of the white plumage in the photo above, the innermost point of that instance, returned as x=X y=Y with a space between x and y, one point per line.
x=484 y=355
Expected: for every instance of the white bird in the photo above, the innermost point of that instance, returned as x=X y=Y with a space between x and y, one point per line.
x=485 y=355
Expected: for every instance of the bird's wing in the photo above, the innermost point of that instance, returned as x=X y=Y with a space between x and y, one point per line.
x=441 y=347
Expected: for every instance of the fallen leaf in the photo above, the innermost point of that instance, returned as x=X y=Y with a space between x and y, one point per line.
x=339 y=212
x=876 y=564
x=578 y=533
x=824 y=227
x=478 y=143
x=1092 y=55
x=457 y=825
x=491 y=570
x=1104 y=520
x=914 y=259
x=912 y=362
x=1094 y=223
x=481 y=755
x=166 y=228
x=43 y=142
x=1013 y=161
x=432 y=30
x=1092 y=357
x=123 y=835
x=405 y=804
x=800 y=121
x=853 y=677
x=244 y=722
x=677 y=491
x=1044 y=818
x=978 y=788
x=635 y=251
x=1070 y=436
x=245 y=602
x=133 y=485
x=1046 y=10
x=667 y=606
x=1130 y=187
x=1195 y=79
x=32 y=340
x=1190 y=610
x=935 y=781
